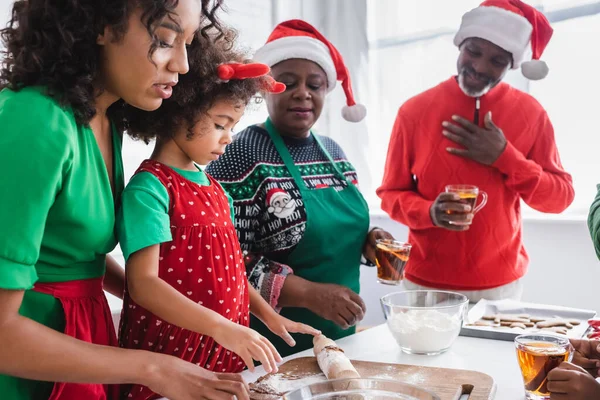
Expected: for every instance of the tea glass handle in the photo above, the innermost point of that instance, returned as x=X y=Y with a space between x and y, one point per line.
x=571 y=351
x=484 y=198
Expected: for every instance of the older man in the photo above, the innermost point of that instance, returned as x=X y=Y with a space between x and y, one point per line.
x=473 y=129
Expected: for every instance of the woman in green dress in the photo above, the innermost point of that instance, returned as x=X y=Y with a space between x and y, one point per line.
x=68 y=69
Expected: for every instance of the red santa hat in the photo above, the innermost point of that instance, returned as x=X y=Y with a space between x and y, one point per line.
x=298 y=39
x=514 y=26
x=274 y=193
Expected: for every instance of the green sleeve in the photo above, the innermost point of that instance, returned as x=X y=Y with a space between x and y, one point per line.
x=143 y=218
x=36 y=153
x=594 y=222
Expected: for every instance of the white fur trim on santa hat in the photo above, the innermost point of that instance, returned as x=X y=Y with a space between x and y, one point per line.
x=355 y=113
x=303 y=47
x=504 y=28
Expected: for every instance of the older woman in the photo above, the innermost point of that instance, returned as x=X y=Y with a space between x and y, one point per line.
x=299 y=212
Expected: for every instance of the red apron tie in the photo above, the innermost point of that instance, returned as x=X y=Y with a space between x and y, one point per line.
x=87 y=318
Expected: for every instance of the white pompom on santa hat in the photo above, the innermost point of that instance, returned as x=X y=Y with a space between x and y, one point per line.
x=298 y=39
x=514 y=26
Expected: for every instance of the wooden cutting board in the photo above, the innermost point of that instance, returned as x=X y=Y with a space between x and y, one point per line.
x=448 y=384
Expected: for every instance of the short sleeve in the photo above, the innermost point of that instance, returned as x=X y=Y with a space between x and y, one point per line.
x=143 y=219
x=36 y=154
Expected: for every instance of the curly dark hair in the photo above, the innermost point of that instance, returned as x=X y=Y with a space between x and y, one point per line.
x=52 y=43
x=196 y=91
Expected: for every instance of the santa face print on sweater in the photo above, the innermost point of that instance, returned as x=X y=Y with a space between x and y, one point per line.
x=280 y=203
x=269 y=211
x=282 y=216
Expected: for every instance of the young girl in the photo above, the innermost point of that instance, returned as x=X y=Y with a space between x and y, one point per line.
x=187 y=292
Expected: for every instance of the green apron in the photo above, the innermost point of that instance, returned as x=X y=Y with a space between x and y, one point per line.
x=330 y=250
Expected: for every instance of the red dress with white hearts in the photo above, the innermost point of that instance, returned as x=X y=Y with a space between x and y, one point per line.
x=204 y=263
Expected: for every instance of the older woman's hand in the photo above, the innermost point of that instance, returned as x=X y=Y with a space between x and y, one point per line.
x=336 y=303
x=371 y=242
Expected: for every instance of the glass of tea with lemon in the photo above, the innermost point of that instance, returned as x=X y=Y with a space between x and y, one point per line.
x=468 y=194
x=391 y=257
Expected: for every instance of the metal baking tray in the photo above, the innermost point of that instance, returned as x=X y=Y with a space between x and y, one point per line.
x=487 y=307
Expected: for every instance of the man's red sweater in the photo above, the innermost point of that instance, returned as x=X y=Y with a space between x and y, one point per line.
x=418 y=168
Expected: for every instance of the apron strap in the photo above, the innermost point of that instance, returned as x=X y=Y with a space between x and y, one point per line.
x=331 y=160
x=289 y=161
x=285 y=155
x=71 y=289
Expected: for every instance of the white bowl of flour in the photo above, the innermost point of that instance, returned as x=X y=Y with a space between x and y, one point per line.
x=424 y=321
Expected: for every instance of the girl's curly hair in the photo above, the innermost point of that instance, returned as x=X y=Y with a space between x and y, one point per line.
x=196 y=91
x=52 y=43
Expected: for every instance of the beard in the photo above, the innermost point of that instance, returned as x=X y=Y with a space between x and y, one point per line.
x=472 y=92
x=285 y=211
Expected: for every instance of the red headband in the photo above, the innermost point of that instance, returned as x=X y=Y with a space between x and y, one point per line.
x=226 y=72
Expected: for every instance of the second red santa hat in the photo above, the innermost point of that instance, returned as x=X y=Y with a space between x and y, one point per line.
x=514 y=26
x=298 y=39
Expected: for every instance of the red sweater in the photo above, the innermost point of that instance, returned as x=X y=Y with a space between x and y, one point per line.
x=418 y=168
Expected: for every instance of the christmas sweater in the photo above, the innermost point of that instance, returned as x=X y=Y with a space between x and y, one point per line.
x=269 y=216
x=418 y=167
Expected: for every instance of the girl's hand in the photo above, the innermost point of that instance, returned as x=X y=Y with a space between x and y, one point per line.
x=282 y=327
x=249 y=345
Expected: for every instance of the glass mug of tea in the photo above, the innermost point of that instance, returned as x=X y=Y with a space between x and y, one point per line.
x=391 y=257
x=538 y=354
x=468 y=195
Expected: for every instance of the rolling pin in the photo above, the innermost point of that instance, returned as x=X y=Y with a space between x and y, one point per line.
x=332 y=360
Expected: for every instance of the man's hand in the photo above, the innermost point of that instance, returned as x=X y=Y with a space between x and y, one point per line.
x=483 y=145
x=448 y=212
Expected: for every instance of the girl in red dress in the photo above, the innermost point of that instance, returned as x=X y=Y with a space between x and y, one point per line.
x=187 y=293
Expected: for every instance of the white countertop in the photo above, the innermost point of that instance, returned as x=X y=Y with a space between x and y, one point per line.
x=492 y=357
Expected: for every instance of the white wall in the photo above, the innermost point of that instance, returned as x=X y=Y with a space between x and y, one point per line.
x=563 y=266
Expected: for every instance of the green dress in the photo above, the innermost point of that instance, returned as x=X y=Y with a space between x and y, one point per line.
x=58 y=210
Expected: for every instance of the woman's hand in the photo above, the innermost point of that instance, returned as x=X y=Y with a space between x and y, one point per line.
x=336 y=303
x=587 y=355
x=248 y=344
x=571 y=382
x=371 y=242
x=181 y=380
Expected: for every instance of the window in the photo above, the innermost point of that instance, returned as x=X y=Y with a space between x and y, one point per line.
x=411 y=50
x=569 y=94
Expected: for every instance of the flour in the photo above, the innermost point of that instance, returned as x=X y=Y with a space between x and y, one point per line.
x=335 y=364
x=283 y=383
x=424 y=331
